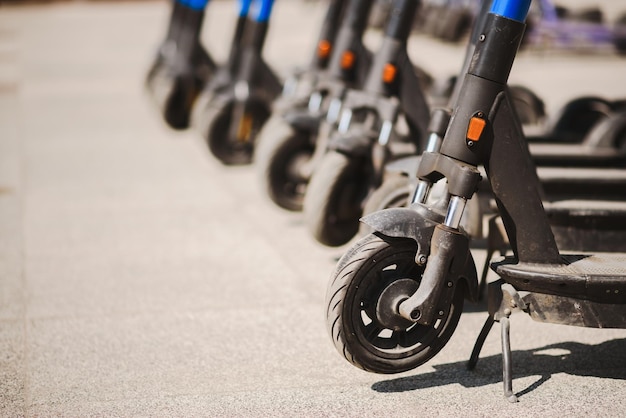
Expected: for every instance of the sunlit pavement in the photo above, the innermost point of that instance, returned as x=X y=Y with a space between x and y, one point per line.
x=140 y=277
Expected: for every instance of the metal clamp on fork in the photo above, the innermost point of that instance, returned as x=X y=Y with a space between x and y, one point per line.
x=439 y=121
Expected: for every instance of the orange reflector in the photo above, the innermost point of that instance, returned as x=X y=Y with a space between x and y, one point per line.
x=347 y=60
x=323 y=49
x=475 y=128
x=389 y=73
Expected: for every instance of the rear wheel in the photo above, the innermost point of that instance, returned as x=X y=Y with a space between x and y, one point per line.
x=370 y=281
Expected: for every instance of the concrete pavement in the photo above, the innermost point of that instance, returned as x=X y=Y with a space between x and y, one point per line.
x=139 y=277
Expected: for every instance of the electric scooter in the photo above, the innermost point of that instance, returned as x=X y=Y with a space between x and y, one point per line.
x=293 y=140
x=396 y=296
x=182 y=66
x=369 y=134
x=230 y=113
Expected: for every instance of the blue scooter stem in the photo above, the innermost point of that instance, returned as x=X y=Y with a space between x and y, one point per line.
x=262 y=9
x=244 y=7
x=511 y=9
x=194 y=4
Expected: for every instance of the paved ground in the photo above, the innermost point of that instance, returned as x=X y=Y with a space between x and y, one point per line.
x=139 y=277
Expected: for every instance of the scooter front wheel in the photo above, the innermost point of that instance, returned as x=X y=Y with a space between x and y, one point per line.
x=362 y=317
x=332 y=204
x=234 y=144
x=283 y=159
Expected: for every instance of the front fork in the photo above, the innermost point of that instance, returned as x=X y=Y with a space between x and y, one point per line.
x=250 y=65
x=467 y=143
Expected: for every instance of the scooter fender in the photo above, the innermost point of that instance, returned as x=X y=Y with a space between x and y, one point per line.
x=353 y=142
x=303 y=120
x=418 y=223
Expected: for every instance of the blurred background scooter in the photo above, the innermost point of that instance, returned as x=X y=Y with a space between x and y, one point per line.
x=182 y=67
x=230 y=113
x=386 y=119
x=293 y=140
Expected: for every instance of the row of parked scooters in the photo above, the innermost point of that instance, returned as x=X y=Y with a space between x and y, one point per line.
x=413 y=176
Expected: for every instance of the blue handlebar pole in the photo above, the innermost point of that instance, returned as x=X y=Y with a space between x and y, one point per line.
x=194 y=4
x=244 y=7
x=511 y=9
x=262 y=9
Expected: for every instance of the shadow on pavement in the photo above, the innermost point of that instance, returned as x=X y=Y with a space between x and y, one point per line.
x=605 y=360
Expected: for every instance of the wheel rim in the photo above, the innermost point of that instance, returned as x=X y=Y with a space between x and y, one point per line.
x=374 y=320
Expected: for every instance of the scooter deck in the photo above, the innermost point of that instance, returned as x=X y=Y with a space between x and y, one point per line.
x=576 y=155
x=588 y=175
x=599 y=277
x=583 y=183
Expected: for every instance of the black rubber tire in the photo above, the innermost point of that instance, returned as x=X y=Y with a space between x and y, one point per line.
x=280 y=150
x=574 y=121
x=175 y=89
x=334 y=197
x=610 y=132
x=231 y=151
x=529 y=107
x=371 y=266
x=394 y=192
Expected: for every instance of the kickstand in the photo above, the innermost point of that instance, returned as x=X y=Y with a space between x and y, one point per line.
x=480 y=341
x=507 y=374
x=502 y=298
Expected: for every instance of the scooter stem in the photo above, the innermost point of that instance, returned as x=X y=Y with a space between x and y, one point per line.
x=261 y=12
x=194 y=4
x=482 y=87
x=328 y=34
x=350 y=33
x=233 y=55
